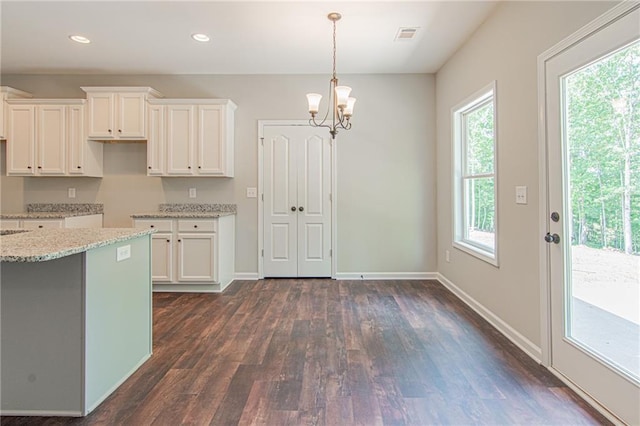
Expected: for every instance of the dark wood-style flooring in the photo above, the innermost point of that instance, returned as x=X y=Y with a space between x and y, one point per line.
x=323 y=352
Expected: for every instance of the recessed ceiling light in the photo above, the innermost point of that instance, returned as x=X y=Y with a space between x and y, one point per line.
x=200 y=37
x=79 y=39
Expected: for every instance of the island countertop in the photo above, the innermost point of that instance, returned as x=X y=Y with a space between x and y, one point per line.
x=40 y=245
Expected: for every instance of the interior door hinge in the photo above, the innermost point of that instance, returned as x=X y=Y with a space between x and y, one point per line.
x=262 y=196
x=262 y=252
x=330 y=252
x=330 y=197
x=262 y=141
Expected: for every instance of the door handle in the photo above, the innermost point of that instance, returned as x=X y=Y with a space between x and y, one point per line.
x=301 y=208
x=555 y=238
x=293 y=208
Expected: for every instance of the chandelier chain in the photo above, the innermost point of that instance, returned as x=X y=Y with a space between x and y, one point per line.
x=334 y=50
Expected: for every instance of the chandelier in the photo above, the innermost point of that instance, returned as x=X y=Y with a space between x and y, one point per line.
x=340 y=104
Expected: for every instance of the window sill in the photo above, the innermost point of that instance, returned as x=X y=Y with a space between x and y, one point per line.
x=484 y=255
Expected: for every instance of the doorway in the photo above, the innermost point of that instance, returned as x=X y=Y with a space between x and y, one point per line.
x=589 y=201
x=296 y=210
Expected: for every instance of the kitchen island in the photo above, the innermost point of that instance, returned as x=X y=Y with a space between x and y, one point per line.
x=75 y=317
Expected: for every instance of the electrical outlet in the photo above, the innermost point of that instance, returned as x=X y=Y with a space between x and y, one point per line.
x=521 y=195
x=192 y=193
x=71 y=193
x=252 y=192
x=123 y=252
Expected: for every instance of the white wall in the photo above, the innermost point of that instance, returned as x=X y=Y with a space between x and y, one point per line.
x=505 y=48
x=386 y=163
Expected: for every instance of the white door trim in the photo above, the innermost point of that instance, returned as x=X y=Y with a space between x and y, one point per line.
x=617 y=12
x=261 y=125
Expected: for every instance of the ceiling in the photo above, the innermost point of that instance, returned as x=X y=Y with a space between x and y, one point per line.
x=258 y=37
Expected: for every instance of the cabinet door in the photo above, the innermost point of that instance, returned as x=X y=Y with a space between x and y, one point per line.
x=3 y=118
x=51 y=140
x=211 y=140
x=155 y=140
x=131 y=116
x=76 y=140
x=21 y=140
x=180 y=139
x=101 y=115
x=196 y=254
x=162 y=258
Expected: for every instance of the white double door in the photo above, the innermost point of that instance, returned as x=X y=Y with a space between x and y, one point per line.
x=590 y=92
x=297 y=164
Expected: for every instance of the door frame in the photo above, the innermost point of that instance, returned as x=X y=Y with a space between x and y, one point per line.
x=617 y=12
x=261 y=126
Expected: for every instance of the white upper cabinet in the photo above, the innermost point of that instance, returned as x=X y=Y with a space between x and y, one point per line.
x=8 y=93
x=46 y=137
x=196 y=137
x=118 y=112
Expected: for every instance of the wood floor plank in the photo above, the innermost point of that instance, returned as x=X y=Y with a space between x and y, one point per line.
x=323 y=352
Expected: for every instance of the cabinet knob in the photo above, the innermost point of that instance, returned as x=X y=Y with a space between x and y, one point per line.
x=119 y=131
x=79 y=167
x=28 y=167
x=301 y=208
x=40 y=226
x=109 y=130
x=199 y=167
x=149 y=167
x=168 y=241
x=39 y=167
x=189 y=167
x=153 y=226
x=195 y=226
x=179 y=241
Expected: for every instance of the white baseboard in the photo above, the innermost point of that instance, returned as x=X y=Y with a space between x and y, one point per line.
x=41 y=413
x=509 y=332
x=386 y=276
x=246 y=276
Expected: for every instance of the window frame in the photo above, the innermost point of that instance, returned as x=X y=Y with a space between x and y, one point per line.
x=479 y=99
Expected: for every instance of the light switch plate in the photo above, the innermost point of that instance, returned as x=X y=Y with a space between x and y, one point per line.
x=521 y=195
x=252 y=192
x=71 y=193
x=192 y=193
x=123 y=252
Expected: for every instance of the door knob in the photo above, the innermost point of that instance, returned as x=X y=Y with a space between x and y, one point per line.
x=555 y=238
x=301 y=208
x=293 y=208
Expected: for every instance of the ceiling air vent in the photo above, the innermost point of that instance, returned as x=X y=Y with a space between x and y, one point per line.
x=406 y=33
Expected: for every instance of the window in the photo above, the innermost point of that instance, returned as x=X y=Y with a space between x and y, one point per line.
x=475 y=214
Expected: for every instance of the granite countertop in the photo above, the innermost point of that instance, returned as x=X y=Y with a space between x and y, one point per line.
x=56 y=211
x=40 y=245
x=186 y=211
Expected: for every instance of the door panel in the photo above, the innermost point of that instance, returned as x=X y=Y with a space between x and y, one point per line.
x=297 y=197
x=586 y=325
x=180 y=139
x=51 y=140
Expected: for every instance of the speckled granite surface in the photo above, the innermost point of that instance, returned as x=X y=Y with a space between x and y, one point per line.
x=198 y=208
x=41 y=245
x=55 y=211
x=182 y=211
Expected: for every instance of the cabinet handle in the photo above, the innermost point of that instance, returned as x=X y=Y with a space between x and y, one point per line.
x=28 y=167
x=39 y=167
x=79 y=167
x=40 y=226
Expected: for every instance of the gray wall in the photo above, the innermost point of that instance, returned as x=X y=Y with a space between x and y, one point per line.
x=385 y=174
x=505 y=48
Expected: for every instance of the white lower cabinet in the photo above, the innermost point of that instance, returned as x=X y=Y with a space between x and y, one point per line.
x=185 y=253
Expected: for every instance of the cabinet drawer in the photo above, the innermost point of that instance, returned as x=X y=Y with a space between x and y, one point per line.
x=197 y=225
x=159 y=224
x=38 y=224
